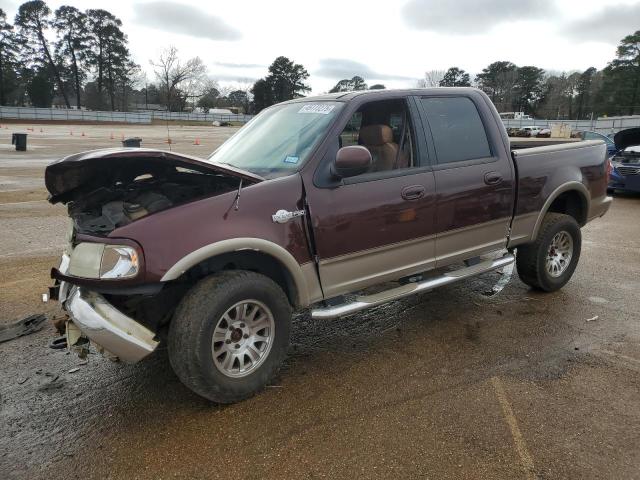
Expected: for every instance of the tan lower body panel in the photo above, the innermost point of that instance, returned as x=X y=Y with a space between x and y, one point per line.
x=356 y=271
x=456 y=245
x=522 y=228
x=314 y=292
x=349 y=273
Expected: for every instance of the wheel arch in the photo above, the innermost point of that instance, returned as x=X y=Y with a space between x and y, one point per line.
x=299 y=282
x=570 y=198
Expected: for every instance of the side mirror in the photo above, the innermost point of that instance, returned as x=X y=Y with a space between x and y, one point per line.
x=351 y=161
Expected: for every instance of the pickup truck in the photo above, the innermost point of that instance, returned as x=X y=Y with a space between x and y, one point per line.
x=313 y=204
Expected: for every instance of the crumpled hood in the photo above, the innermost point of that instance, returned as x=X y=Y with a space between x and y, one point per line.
x=69 y=173
x=627 y=138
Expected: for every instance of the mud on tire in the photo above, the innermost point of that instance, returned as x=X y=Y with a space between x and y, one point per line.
x=216 y=316
x=531 y=259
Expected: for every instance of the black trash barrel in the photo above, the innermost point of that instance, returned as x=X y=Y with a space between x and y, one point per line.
x=132 y=142
x=20 y=141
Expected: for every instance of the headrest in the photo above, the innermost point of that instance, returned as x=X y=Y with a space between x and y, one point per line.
x=375 y=135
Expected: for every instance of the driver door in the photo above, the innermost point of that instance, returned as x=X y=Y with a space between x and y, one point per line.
x=379 y=225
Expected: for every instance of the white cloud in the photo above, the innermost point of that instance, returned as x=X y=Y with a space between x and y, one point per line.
x=180 y=18
x=466 y=17
x=608 y=25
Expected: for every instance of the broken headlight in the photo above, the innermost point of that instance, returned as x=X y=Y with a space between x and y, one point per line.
x=118 y=261
x=101 y=261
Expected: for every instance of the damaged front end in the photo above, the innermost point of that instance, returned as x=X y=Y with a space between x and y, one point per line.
x=100 y=282
x=106 y=189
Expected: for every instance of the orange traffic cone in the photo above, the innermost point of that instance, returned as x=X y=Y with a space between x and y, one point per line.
x=197 y=142
x=168 y=141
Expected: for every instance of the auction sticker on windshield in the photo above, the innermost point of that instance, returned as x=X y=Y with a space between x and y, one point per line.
x=316 y=108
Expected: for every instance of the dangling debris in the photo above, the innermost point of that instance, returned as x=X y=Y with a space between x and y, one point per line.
x=27 y=325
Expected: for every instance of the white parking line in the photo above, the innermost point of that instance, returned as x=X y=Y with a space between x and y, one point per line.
x=518 y=439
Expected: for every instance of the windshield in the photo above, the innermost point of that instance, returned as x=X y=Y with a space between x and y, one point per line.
x=279 y=140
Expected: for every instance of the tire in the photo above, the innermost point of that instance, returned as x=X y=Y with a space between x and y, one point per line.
x=531 y=259
x=250 y=316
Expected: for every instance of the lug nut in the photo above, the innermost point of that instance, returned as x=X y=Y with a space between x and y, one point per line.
x=227 y=341
x=230 y=328
x=245 y=335
x=242 y=325
x=237 y=345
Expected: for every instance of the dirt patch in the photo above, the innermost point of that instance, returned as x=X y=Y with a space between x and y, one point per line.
x=23 y=281
x=15 y=196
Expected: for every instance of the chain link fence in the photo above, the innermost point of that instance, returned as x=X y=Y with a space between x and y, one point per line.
x=602 y=125
x=142 y=117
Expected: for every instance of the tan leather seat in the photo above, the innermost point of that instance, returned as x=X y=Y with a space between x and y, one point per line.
x=378 y=139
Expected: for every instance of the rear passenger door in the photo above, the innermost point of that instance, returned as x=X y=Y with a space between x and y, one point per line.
x=473 y=177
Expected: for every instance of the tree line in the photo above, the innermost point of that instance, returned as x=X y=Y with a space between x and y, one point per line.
x=614 y=90
x=87 y=44
x=73 y=58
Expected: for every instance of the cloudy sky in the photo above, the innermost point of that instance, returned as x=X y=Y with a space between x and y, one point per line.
x=392 y=42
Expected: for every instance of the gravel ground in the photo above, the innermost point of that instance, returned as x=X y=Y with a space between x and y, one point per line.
x=449 y=384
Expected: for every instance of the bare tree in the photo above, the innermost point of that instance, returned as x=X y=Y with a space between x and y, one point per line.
x=178 y=80
x=431 y=79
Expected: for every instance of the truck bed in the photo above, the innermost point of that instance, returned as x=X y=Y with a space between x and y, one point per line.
x=543 y=171
x=518 y=143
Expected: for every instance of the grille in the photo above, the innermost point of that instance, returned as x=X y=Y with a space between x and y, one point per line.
x=628 y=170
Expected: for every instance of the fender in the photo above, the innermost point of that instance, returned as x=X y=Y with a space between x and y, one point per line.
x=304 y=276
x=565 y=187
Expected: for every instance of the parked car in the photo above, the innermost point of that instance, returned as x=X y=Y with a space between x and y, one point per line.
x=589 y=135
x=625 y=174
x=310 y=204
x=531 y=131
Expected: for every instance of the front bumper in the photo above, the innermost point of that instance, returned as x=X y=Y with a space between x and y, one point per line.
x=108 y=327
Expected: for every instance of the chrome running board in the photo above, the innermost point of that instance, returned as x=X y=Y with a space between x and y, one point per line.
x=368 y=301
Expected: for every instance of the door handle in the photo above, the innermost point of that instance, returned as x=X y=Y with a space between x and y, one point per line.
x=413 y=192
x=492 y=178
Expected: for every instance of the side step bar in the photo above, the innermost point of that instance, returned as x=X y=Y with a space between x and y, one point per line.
x=368 y=301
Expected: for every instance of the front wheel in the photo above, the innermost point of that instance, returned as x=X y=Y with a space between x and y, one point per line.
x=229 y=335
x=549 y=262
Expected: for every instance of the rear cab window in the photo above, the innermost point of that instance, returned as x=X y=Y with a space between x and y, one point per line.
x=457 y=129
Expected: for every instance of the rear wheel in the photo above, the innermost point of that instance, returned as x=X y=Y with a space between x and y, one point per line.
x=549 y=262
x=229 y=335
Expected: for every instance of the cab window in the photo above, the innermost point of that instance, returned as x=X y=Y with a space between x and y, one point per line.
x=384 y=128
x=458 y=131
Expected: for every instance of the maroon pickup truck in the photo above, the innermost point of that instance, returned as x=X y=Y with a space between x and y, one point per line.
x=313 y=199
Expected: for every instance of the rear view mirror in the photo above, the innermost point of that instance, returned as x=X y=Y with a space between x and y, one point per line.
x=351 y=161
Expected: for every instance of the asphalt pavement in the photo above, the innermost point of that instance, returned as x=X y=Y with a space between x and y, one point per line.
x=456 y=383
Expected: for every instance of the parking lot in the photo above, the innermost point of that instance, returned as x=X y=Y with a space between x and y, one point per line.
x=457 y=383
